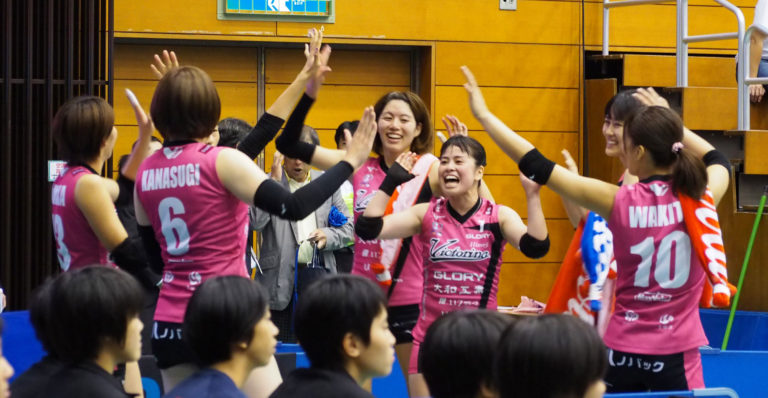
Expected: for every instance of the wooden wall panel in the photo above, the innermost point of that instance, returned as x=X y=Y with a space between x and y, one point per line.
x=509 y=65
x=526 y=279
x=369 y=68
x=524 y=109
x=237 y=99
x=182 y=17
x=223 y=64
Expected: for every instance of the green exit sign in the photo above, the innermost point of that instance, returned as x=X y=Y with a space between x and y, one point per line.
x=277 y=10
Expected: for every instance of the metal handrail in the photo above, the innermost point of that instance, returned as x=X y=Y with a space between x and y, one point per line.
x=743 y=76
x=683 y=39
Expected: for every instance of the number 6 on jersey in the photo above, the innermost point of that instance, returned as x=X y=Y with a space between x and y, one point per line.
x=174 y=229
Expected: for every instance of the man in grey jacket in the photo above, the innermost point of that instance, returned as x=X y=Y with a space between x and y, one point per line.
x=281 y=240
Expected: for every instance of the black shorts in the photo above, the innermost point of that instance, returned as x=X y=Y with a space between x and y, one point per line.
x=629 y=372
x=402 y=320
x=168 y=346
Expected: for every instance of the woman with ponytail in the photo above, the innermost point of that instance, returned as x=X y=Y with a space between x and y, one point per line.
x=654 y=333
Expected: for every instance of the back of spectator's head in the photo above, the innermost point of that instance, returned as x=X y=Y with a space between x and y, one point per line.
x=91 y=309
x=351 y=126
x=228 y=313
x=550 y=356
x=232 y=130
x=456 y=357
x=341 y=319
x=309 y=134
x=39 y=316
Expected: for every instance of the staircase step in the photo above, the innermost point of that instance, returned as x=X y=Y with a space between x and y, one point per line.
x=661 y=70
x=642 y=70
x=705 y=108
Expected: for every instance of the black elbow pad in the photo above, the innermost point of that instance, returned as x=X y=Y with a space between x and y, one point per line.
x=714 y=157
x=368 y=228
x=532 y=247
x=128 y=256
x=152 y=248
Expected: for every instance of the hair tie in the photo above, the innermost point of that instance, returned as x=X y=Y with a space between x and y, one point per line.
x=677 y=146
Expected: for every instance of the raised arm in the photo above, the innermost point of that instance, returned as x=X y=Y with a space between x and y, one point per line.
x=593 y=194
x=141 y=150
x=288 y=142
x=531 y=240
x=246 y=181
x=574 y=211
x=269 y=123
x=718 y=166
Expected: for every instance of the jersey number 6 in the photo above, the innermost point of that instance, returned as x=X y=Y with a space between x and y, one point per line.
x=174 y=229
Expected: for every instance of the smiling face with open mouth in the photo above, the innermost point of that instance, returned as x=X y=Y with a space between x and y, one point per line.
x=613 y=132
x=458 y=172
x=397 y=127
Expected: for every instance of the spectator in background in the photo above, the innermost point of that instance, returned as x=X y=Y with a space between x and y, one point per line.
x=285 y=243
x=550 y=356
x=341 y=323
x=243 y=337
x=456 y=357
x=758 y=51
x=232 y=131
x=346 y=255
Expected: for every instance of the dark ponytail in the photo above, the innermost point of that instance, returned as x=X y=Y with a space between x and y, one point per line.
x=660 y=131
x=689 y=175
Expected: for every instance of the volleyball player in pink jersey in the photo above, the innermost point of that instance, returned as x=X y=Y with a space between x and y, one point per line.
x=191 y=200
x=655 y=332
x=85 y=224
x=461 y=236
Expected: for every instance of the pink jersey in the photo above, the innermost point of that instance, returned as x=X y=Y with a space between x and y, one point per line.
x=660 y=279
x=201 y=227
x=76 y=244
x=462 y=261
x=392 y=252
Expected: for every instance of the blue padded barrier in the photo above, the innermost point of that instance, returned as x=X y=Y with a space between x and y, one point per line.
x=704 y=392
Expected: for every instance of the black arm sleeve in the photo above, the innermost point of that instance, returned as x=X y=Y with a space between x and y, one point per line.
x=262 y=133
x=288 y=142
x=368 y=228
x=275 y=199
x=532 y=247
x=396 y=175
x=152 y=247
x=716 y=157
